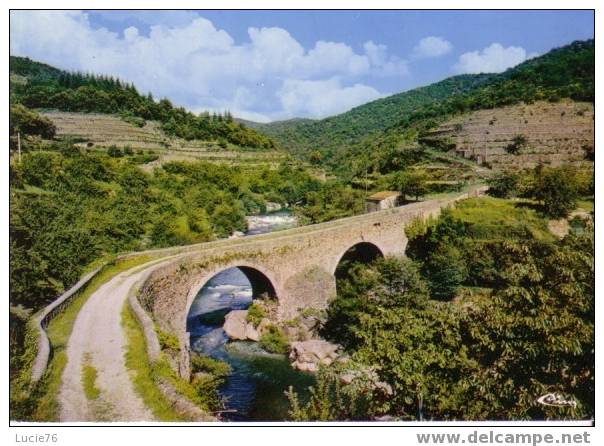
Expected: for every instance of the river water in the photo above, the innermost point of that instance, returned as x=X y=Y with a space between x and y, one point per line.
x=254 y=391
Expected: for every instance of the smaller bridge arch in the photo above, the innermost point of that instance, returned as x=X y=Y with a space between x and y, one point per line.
x=364 y=252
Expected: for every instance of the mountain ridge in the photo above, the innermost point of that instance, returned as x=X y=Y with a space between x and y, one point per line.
x=564 y=72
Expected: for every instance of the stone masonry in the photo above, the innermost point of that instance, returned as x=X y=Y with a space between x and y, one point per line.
x=295 y=266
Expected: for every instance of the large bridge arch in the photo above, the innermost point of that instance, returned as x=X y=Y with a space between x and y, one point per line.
x=261 y=280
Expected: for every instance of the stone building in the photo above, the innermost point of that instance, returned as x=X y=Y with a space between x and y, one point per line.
x=383 y=200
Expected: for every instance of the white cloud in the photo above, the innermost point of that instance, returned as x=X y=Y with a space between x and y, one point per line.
x=432 y=46
x=493 y=59
x=201 y=67
x=385 y=65
x=320 y=98
x=149 y=17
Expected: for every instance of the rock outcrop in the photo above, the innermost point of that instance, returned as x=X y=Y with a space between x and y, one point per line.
x=237 y=327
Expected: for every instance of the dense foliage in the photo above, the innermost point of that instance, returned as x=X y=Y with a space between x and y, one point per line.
x=486 y=358
x=333 y=200
x=334 y=133
x=556 y=190
x=464 y=247
x=27 y=122
x=69 y=208
x=41 y=86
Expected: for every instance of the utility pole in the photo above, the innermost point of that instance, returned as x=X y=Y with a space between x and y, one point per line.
x=19 y=145
x=366 y=187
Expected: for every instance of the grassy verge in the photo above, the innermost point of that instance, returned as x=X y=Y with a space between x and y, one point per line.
x=44 y=402
x=89 y=375
x=587 y=204
x=141 y=371
x=490 y=218
x=22 y=395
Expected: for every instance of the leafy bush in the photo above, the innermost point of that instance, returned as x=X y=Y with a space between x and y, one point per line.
x=518 y=143
x=255 y=314
x=504 y=185
x=205 y=364
x=392 y=281
x=114 y=152
x=331 y=400
x=273 y=340
x=28 y=122
x=167 y=341
x=134 y=120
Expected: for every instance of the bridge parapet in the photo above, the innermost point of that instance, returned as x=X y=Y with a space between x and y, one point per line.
x=298 y=264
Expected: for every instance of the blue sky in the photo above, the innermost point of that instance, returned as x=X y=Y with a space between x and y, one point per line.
x=268 y=65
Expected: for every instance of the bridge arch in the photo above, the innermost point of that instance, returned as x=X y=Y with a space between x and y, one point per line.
x=261 y=280
x=364 y=252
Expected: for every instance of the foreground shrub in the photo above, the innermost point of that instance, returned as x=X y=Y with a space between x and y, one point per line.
x=205 y=364
x=273 y=340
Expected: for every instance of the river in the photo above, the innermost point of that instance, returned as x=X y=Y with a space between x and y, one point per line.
x=254 y=391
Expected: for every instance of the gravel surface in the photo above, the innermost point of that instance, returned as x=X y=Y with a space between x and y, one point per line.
x=98 y=338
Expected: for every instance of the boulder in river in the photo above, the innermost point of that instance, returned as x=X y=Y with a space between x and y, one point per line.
x=273 y=207
x=237 y=327
x=235 y=324
x=251 y=333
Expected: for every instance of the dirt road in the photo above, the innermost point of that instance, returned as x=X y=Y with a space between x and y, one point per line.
x=97 y=340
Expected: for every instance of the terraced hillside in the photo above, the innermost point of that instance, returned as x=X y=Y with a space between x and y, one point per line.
x=100 y=131
x=521 y=136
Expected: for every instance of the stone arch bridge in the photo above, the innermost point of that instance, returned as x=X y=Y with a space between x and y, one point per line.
x=296 y=266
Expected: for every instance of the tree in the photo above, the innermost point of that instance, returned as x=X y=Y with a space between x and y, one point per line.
x=518 y=143
x=410 y=183
x=388 y=325
x=536 y=335
x=315 y=157
x=557 y=189
x=28 y=122
x=504 y=184
x=114 y=152
x=416 y=184
x=446 y=270
x=389 y=282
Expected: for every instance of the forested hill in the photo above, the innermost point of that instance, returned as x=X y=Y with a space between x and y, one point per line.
x=37 y=85
x=303 y=135
x=566 y=72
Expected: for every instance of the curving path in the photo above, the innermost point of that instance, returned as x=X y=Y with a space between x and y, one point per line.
x=97 y=339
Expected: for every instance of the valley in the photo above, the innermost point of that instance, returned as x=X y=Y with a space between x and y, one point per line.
x=415 y=311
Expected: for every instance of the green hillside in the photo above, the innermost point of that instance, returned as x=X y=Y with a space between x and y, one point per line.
x=301 y=136
x=40 y=86
x=372 y=133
